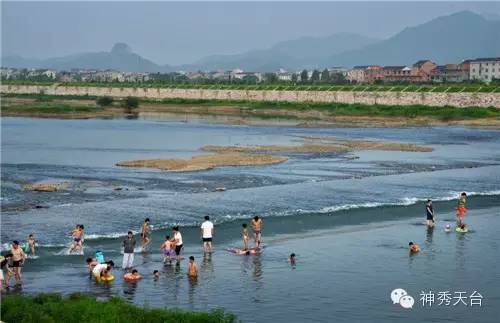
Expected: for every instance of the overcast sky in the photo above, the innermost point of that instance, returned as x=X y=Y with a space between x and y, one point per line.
x=174 y=32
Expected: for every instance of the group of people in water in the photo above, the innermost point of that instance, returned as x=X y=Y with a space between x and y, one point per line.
x=172 y=246
x=461 y=227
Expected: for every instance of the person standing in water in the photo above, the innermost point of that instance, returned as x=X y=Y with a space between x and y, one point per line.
x=145 y=229
x=178 y=242
x=207 y=232
x=18 y=258
x=77 y=235
x=167 y=249
x=192 y=268
x=128 y=251
x=461 y=209
x=257 y=230
x=430 y=213
x=244 y=236
x=31 y=244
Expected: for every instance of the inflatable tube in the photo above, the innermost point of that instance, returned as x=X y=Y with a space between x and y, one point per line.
x=26 y=248
x=459 y=230
x=131 y=278
x=108 y=278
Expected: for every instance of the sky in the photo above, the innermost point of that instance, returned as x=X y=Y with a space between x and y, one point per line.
x=183 y=32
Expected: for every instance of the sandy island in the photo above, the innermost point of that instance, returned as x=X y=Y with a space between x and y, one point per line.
x=205 y=162
x=262 y=155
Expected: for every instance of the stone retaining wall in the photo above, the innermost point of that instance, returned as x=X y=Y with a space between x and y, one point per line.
x=385 y=98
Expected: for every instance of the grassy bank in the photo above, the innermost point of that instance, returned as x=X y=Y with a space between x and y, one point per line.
x=344 y=109
x=78 y=308
x=40 y=105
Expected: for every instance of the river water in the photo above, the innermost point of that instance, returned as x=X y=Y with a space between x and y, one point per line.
x=348 y=219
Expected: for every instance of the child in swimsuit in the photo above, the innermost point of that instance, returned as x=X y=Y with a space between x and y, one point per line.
x=461 y=209
x=31 y=244
x=18 y=258
x=145 y=241
x=414 y=248
x=244 y=236
x=168 y=250
x=77 y=235
x=192 y=268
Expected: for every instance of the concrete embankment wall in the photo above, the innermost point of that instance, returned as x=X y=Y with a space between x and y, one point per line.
x=385 y=98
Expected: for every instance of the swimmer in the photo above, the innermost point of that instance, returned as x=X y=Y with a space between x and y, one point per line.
x=244 y=236
x=133 y=276
x=18 y=258
x=414 y=248
x=156 y=274
x=145 y=229
x=91 y=263
x=31 y=242
x=257 y=230
x=447 y=228
x=167 y=247
x=461 y=208
x=77 y=235
x=291 y=259
x=192 y=268
x=462 y=228
x=430 y=213
x=103 y=270
x=246 y=252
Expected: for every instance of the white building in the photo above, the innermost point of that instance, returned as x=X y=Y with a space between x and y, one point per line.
x=485 y=69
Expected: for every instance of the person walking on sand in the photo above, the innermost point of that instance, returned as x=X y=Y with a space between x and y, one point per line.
x=257 y=230
x=178 y=242
x=461 y=209
x=145 y=230
x=430 y=213
x=128 y=251
x=207 y=232
x=18 y=258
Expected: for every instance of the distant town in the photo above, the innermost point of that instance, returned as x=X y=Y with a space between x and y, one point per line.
x=484 y=70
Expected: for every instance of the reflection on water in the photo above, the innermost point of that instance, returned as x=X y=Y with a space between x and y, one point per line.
x=129 y=289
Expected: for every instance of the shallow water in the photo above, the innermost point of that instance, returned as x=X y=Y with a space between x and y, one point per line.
x=348 y=220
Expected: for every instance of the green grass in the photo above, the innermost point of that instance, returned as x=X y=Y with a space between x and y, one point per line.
x=51 y=108
x=43 y=104
x=77 y=308
x=343 y=109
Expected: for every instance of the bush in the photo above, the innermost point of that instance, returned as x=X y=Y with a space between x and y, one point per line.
x=131 y=103
x=104 y=101
x=78 y=308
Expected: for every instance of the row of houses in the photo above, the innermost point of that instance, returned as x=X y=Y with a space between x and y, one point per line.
x=423 y=71
x=75 y=75
x=480 y=69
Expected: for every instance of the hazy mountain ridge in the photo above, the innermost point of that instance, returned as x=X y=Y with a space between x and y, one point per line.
x=445 y=39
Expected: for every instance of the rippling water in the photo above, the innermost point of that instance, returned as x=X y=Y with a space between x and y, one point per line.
x=349 y=220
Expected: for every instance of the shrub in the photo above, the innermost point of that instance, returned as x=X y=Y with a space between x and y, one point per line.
x=104 y=101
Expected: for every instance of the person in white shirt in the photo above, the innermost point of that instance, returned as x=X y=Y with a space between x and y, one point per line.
x=178 y=242
x=207 y=233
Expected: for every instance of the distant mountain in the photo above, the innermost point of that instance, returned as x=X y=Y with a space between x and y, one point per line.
x=120 y=58
x=305 y=52
x=446 y=39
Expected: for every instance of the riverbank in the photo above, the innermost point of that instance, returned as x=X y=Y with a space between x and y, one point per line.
x=78 y=308
x=254 y=113
x=369 y=97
